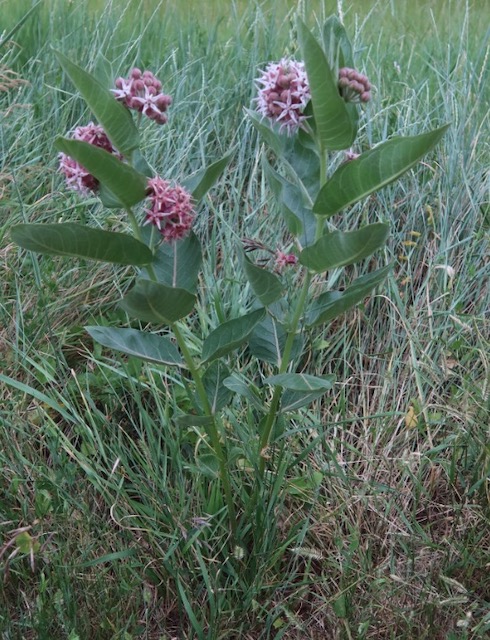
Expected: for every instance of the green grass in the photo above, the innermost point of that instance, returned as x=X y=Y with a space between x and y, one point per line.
x=377 y=523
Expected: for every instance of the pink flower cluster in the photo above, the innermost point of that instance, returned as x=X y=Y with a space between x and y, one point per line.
x=171 y=209
x=284 y=260
x=283 y=93
x=354 y=86
x=77 y=177
x=142 y=92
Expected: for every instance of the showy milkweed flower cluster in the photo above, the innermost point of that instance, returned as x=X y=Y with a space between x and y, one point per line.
x=284 y=260
x=171 y=209
x=354 y=86
x=283 y=93
x=77 y=177
x=142 y=92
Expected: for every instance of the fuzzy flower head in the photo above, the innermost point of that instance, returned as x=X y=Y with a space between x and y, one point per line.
x=283 y=93
x=143 y=93
x=171 y=209
x=77 y=177
x=284 y=260
x=354 y=86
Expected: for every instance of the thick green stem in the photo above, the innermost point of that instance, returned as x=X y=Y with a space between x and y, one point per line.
x=212 y=428
x=283 y=365
x=286 y=355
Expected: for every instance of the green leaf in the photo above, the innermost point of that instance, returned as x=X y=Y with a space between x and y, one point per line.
x=125 y=183
x=373 y=170
x=334 y=125
x=141 y=344
x=300 y=388
x=301 y=382
x=114 y=118
x=202 y=181
x=230 y=335
x=303 y=160
x=177 y=264
x=331 y=304
x=266 y=285
x=154 y=302
x=336 y=43
x=338 y=249
x=269 y=133
x=243 y=387
x=268 y=339
x=218 y=394
x=299 y=219
x=79 y=241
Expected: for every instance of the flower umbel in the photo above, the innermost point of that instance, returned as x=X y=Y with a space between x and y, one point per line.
x=354 y=86
x=171 y=209
x=142 y=92
x=284 y=93
x=77 y=177
x=284 y=260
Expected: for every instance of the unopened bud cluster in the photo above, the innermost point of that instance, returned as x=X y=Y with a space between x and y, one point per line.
x=143 y=93
x=77 y=177
x=354 y=86
x=284 y=93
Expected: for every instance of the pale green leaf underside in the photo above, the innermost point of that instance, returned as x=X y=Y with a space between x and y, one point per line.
x=300 y=382
x=141 y=344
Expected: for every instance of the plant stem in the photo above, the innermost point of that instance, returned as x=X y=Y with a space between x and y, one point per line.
x=212 y=428
x=286 y=355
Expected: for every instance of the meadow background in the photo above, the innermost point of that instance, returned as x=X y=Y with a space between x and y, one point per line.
x=382 y=529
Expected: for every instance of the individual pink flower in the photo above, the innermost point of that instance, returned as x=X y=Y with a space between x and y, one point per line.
x=354 y=86
x=283 y=93
x=284 y=260
x=142 y=92
x=171 y=209
x=77 y=177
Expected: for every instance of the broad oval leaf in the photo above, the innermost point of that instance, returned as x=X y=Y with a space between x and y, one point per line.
x=79 y=241
x=301 y=382
x=373 y=170
x=268 y=132
x=219 y=395
x=141 y=344
x=114 y=118
x=239 y=384
x=331 y=304
x=339 y=248
x=336 y=43
x=334 y=125
x=202 y=181
x=230 y=335
x=154 y=302
x=124 y=183
x=266 y=285
x=177 y=264
x=267 y=341
x=299 y=219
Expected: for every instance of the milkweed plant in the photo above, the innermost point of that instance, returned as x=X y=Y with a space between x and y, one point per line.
x=305 y=110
